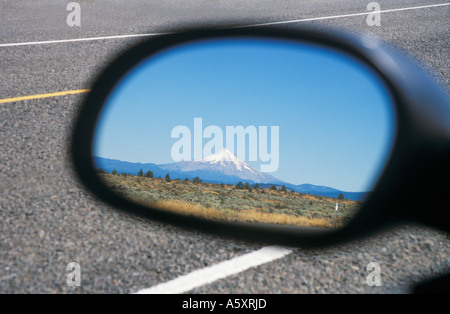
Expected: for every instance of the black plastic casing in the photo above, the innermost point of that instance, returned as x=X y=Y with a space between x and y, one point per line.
x=411 y=187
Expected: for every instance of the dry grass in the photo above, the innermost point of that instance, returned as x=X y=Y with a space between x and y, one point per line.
x=224 y=202
x=253 y=215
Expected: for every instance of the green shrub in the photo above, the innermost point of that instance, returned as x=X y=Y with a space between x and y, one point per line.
x=148 y=174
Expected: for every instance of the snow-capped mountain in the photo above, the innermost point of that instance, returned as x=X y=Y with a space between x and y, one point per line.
x=220 y=165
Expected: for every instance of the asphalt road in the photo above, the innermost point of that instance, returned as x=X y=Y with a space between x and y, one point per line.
x=49 y=220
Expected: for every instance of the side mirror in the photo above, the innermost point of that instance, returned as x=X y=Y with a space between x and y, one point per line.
x=301 y=138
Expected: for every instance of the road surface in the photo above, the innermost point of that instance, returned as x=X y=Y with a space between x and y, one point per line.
x=49 y=220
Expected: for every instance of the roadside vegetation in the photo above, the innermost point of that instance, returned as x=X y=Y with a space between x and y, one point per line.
x=240 y=202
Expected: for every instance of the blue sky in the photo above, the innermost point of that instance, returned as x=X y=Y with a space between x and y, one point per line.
x=335 y=120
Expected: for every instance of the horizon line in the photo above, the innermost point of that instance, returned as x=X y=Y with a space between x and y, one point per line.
x=284 y=182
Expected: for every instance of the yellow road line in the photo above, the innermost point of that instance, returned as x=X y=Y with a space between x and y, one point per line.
x=48 y=95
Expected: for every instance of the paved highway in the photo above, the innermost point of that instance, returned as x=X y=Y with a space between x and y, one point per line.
x=49 y=220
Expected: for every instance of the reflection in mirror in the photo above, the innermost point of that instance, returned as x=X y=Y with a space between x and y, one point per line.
x=264 y=131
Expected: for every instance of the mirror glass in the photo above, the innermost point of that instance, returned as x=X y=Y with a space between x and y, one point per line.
x=244 y=129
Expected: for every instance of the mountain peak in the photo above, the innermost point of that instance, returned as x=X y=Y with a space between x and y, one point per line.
x=222 y=166
x=222 y=155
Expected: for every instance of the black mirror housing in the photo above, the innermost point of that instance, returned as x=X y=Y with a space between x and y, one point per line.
x=418 y=166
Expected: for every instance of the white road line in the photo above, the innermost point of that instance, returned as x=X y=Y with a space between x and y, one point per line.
x=240 y=26
x=207 y=275
x=79 y=39
x=348 y=15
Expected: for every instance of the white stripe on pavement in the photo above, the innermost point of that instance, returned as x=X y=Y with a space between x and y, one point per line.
x=241 y=26
x=347 y=15
x=207 y=275
x=79 y=39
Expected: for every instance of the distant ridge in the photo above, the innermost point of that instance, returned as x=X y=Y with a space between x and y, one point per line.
x=222 y=167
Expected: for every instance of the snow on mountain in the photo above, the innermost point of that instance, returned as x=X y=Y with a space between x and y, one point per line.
x=222 y=167
x=224 y=156
x=223 y=163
